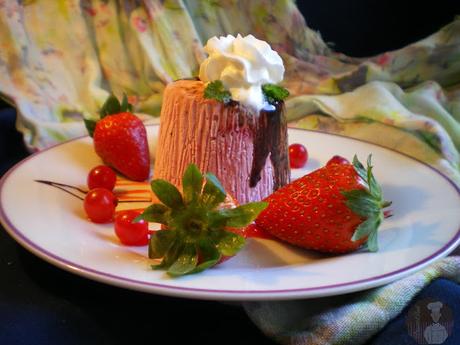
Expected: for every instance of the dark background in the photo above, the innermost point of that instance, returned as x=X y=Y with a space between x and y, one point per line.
x=41 y=304
x=368 y=27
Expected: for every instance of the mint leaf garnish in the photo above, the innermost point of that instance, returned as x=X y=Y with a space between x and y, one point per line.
x=216 y=90
x=274 y=93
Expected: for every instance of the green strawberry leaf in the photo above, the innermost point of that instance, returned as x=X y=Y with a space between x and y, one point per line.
x=274 y=93
x=186 y=261
x=111 y=106
x=361 y=202
x=360 y=170
x=125 y=105
x=192 y=183
x=90 y=126
x=372 y=243
x=367 y=203
x=213 y=192
x=364 y=229
x=207 y=264
x=216 y=90
x=211 y=178
x=374 y=187
x=216 y=220
x=209 y=255
x=196 y=237
x=170 y=256
x=157 y=213
x=160 y=243
x=167 y=193
x=244 y=214
x=228 y=243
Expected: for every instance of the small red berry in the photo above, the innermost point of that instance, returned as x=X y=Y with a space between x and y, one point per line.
x=99 y=205
x=101 y=177
x=131 y=233
x=338 y=160
x=298 y=156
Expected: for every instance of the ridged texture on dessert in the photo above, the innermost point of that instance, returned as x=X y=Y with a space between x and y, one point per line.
x=218 y=138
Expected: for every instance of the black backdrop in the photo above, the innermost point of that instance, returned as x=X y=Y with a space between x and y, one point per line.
x=369 y=27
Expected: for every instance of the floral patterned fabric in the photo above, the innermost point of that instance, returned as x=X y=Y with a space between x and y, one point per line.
x=57 y=72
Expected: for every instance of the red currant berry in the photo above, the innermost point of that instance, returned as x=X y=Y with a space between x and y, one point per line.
x=131 y=233
x=338 y=160
x=101 y=177
x=99 y=205
x=298 y=156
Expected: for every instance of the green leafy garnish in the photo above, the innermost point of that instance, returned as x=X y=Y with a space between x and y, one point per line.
x=367 y=203
x=274 y=93
x=216 y=90
x=111 y=106
x=197 y=228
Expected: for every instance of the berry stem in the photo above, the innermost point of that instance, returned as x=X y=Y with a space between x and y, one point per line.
x=62 y=187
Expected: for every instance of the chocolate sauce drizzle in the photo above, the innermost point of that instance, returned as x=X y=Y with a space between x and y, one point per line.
x=270 y=138
x=69 y=188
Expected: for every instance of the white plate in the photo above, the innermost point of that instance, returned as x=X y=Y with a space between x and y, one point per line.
x=52 y=225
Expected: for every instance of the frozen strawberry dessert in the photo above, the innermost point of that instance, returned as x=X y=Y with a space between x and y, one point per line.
x=230 y=121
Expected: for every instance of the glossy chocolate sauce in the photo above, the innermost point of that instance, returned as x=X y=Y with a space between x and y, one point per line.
x=270 y=139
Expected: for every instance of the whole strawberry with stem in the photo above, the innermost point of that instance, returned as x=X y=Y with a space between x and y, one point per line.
x=120 y=139
x=200 y=230
x=335 y=209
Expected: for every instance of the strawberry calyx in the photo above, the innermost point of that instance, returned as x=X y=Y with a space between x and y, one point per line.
x=196 y=233
x=110 y=107
x=368 y=203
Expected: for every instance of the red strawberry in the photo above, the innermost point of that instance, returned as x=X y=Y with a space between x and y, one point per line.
x=338 y=160
x=202 y=225
x=334 y=209
x=120 y=139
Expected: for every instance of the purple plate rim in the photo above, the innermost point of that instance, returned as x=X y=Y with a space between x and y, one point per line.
x=112 y=279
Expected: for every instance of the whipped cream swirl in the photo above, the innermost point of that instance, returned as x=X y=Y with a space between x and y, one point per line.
x=243 y=64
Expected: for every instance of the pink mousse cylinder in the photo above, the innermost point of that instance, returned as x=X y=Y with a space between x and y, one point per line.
x=226 y=140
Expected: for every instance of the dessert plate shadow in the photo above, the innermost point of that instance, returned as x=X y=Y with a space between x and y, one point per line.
x=425 y=227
